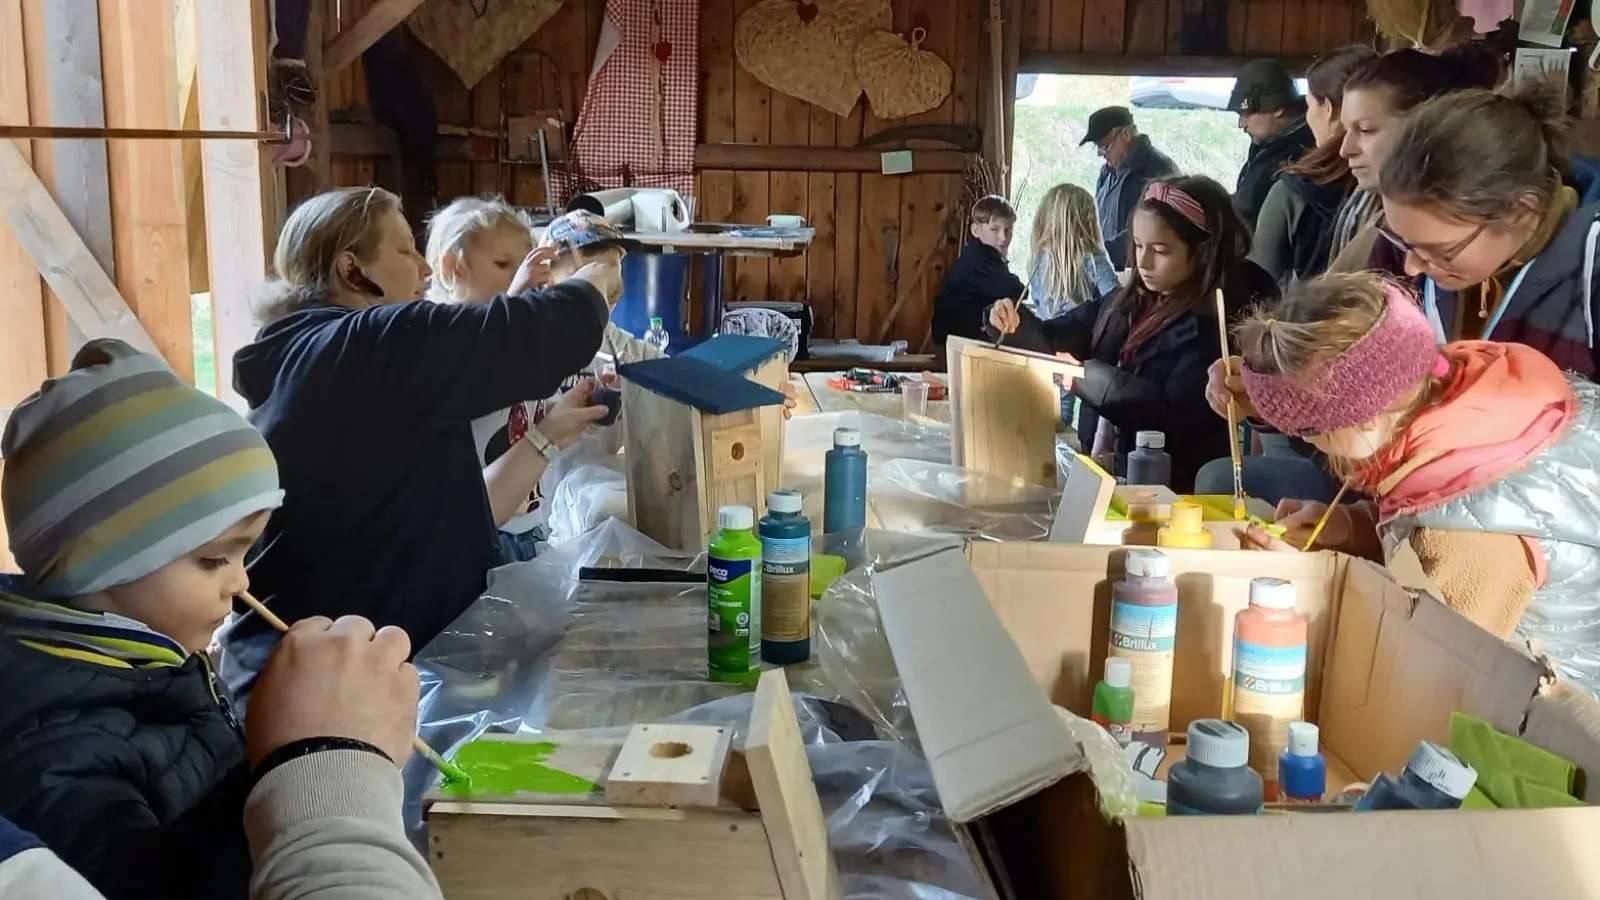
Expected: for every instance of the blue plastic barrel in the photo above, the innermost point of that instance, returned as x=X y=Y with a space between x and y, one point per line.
x=654 y=285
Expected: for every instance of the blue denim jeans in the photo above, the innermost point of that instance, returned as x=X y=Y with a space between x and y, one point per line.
x=1278 y=473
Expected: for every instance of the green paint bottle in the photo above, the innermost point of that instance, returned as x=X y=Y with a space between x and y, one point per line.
x=733 y=591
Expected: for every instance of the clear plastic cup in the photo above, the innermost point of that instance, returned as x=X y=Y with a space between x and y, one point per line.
x=914 y=402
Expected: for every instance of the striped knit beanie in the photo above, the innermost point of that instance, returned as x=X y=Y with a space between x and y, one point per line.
x=118 y=468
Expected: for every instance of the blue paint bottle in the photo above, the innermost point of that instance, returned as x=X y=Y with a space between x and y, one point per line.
x=785 y=581
x=844 y=479
x=1302 y=772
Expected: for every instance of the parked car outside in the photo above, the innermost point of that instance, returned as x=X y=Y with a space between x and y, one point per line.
x=1183 y=93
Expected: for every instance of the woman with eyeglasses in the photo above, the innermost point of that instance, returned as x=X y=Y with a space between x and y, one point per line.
x=1482 y=199
x=1145 y=348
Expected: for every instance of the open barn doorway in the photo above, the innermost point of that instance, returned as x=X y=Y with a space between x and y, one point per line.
x=1186 y=119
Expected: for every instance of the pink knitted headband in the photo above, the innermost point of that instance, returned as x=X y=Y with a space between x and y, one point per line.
x=1180 y=201
x=1359 y=384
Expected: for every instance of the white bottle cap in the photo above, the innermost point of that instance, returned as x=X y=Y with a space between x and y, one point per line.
x=1218 y=743
x=1155 y=440
x=1141 y=563
x=1119 y=672
x=1303 y=738
x=846 y=437
x=784 y=501
x=1442 y=769
x=736 y=518
x=1271 y=593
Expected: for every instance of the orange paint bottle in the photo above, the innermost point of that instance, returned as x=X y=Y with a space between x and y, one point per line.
x=1269 y=672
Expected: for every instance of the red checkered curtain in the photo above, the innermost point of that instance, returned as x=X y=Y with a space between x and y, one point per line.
x=637 y=125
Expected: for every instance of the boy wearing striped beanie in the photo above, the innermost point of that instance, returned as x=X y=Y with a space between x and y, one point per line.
x=130 y=499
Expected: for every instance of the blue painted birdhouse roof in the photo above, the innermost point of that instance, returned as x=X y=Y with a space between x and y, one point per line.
x=737 y=353
x=697 y=383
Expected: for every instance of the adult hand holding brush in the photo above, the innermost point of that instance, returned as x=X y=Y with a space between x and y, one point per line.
x=336 y=681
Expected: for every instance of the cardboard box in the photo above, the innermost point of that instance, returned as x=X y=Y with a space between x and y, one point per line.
x=1029 y=621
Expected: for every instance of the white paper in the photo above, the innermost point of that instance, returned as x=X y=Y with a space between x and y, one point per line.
x=1532 y=65
x=1544 y=22
x=897 y=162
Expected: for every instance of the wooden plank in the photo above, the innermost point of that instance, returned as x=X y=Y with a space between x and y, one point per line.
x=1066 y=25
x=788 y=193
x=662 y=438
x=670 y=765
x=81 y=183
x=237 y=174
x=642 y=855
x=802 y=158
x=58 y=325
x=1147 y=26
x=1263 y=34
x=1336 y=17
x=148 y=221
x=1104 y=25
x=354 y=39
x=847 y=234
x=752 y=125
x=1301 y=27
x=1008 y=407
x=186 y=42
x=1156 y=64
x=715 y=202
x=924 y=199
x=820 y=187
x=24 y=361
x=790 y=809
x=1034 y=22
x=880 y=251
x=966 y=64
x=1238 y=23
x=61 y=256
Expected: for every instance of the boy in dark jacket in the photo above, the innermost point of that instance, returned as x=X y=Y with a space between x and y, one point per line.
x=130 y=499
x=980 y=275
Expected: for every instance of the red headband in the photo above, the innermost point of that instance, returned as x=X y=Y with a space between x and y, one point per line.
x=1180 y=202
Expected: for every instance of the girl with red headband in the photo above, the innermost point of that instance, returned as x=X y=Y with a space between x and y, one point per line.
x=1145 y=348
x=1481 y=457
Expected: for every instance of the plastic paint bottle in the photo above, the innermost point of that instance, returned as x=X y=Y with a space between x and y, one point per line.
x=1149 y=462
x=785 y=581
x=733 y=591
x=1144 y=631
x=1302 y=772
x=844 y=484
x=1184 y=528
x=1113 y=701
x=1269 y=672
x=1214 y=778
x=1434 y=778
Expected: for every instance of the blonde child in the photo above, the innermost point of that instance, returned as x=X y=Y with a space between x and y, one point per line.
x=1069 y=265
x=1479 y=455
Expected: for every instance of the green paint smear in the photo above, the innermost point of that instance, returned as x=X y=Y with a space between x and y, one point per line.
x=503 y=768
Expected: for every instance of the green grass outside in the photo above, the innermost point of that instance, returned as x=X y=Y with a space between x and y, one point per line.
x=205 y=348
x=1050 y=123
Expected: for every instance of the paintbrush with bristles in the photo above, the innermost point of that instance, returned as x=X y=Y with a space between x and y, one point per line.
x=1234 y=451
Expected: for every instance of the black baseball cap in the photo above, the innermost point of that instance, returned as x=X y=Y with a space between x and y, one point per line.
x=1263 y=85
x=1104 y=121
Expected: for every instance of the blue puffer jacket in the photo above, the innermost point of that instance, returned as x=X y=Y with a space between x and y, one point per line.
x=118 y=752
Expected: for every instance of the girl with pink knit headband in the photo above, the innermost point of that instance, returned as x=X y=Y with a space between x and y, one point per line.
x=1145 y=348
x=1481 y=457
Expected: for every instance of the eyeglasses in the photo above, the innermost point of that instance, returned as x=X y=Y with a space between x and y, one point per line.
x=1104 y=146
x=1426 y=254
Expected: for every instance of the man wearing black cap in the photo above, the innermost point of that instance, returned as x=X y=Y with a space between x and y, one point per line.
x=1131 y=163
x=1273 y=113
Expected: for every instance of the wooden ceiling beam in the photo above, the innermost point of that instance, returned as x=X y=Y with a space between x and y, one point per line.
x=354 y=39
x=1147 y=64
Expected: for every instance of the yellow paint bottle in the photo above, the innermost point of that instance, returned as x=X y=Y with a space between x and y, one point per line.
x=1185 y=528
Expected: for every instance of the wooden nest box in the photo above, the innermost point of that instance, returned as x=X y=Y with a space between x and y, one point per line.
x=1004 y=405
x=668 y=812
x=704 y=430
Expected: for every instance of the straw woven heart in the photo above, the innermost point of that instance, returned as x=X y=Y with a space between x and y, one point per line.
x=805 y=49
x=471 y=44
x=900 y=79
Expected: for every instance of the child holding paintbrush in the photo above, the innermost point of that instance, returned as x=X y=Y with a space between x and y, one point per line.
x=1479 y=455
x=1145 y=348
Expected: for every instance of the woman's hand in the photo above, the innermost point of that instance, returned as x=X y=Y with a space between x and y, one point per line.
x=572 y=414
x=1225 y=383
x=1254 y=537
x=790 y=400
x=1300 y=518
x=1003 y=316
x=534 y=273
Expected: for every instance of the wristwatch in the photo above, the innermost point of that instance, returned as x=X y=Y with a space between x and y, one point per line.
x=544 y=445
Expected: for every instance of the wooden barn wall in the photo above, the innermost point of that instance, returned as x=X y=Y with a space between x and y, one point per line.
x=845 y=276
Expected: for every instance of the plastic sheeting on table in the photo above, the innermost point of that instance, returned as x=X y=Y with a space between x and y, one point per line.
x=543 y=650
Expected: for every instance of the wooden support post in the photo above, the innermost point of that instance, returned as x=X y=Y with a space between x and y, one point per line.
x=23 y=359
x=186 y=40
x=61 y=255
x=237 y=175
x=354 y=39
x=77 y=98
x=147 y=202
